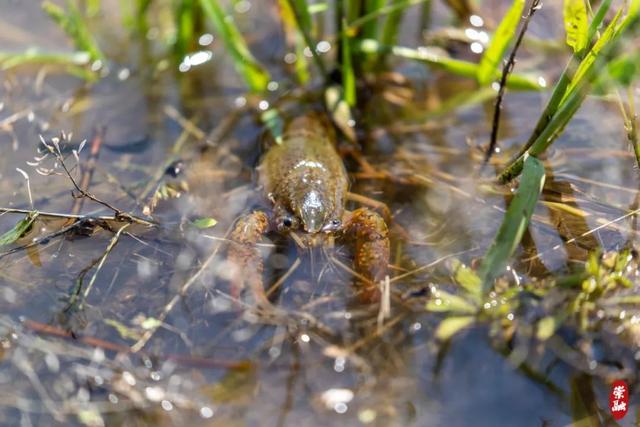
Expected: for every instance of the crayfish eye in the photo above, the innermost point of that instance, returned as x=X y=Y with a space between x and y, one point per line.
x=336 y=222
x=287 y=222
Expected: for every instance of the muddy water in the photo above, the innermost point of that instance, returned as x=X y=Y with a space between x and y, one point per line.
x=321 y=358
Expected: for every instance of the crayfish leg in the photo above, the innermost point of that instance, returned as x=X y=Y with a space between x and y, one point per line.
x=372 y=248
x=245 y=257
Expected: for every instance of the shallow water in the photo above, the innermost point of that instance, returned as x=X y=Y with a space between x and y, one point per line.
x=323 y=358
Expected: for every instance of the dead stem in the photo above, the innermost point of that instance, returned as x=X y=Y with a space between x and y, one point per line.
x=506 y=70
x=378 y=333
x=631 y=125
x=188 y=360
x=603 y=224
x=89 y=168
x=350 y=270
x=56 y=214
x=385 y=302
x=283 y=278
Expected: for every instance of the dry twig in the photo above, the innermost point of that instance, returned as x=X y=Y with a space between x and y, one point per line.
x=506 y=70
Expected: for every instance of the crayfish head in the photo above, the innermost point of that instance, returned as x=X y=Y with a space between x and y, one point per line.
x=312 y=212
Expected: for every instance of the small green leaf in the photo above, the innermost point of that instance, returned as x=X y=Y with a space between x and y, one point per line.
x=576 y=24
x=547 y=327
x=583 y=74
x=204 y=223
x=150 y=323
x=501 y=39
x=124 y=331
x=35 y=56
x=515 y=222
x=445 y=302
x=452 y=325
x=468 y=279
x=19 y=230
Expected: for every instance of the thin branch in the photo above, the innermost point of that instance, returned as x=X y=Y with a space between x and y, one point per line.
x=506 y=70
x=60 y=215
x=119 y=214
x=631 y=123
x=89 y=168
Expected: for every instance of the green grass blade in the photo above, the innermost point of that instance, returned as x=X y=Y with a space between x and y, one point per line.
x=348 y=75
x=290 y=28
x=454 y=66
x=548 y=134
x=563 y=105
x=576 y=24
x=605 y=41
x=92 y=7
x=560 y=87
x=633 y=12
x=598 y=18
x=514 y=224
x=391 y=27
x=370 y=28
x=501 y=39
x=303 y=18
x=254 y=74
x=185 y=31
x=72 y=22
x=445 y=302
x=357 y=23
x=35 y=56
